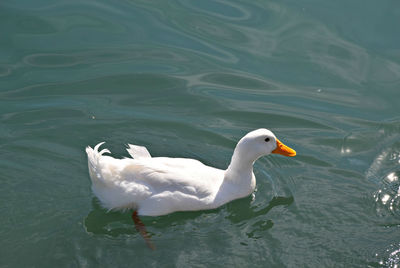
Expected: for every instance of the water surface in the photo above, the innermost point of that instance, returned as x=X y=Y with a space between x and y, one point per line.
x=188 y=79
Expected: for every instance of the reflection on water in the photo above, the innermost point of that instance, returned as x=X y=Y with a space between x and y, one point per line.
x=386 y=169
x=240 y=212
x=390 y=257
x=99 y=221
x=388 y=197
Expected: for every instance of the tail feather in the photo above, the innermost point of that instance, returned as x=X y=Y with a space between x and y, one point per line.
x=93 y=159
x=96 y=148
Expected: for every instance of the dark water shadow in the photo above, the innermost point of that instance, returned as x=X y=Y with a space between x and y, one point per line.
x=242 y=210
x=115 y=223
x=252 y=219
x=102 y=222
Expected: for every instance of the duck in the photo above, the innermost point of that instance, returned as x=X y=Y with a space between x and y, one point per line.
x=156 y=186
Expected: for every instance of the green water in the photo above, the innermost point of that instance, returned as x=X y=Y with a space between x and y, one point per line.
x=188 y=79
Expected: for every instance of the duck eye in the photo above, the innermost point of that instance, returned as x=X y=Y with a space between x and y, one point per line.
x=267 y=139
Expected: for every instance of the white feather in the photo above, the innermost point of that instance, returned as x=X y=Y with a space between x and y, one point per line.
x=137 y=151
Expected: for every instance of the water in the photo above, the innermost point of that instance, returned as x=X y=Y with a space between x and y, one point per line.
x=188 y=79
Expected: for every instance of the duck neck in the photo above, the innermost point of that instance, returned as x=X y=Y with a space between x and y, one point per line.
x=240 y=169
x=239 y=180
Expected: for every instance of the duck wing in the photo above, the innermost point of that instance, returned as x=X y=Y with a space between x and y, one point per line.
x=164 y=174
x=175 y=184
x=137 y=151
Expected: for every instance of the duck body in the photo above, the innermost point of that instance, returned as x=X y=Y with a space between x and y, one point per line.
x=155 y=186
x=161 y=185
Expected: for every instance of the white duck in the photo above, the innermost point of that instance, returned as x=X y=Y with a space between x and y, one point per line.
x=156 y=186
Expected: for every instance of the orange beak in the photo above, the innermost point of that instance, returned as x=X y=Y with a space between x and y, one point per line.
x=283 y=149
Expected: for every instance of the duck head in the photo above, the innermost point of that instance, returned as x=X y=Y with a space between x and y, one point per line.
x=262 y=142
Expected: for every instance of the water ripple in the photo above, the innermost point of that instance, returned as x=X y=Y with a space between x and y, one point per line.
x=385 y=169
x=51 y=60
x=220 y=9
x=390 y=258
x=188 y=79
x=5 y=70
